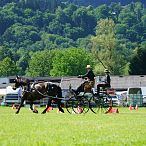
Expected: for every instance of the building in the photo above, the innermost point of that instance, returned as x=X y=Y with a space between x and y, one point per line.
x=117 y=82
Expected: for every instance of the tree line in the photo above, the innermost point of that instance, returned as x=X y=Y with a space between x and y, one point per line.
x=54 y=38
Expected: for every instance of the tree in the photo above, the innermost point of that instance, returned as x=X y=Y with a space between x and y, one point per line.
x=52 y=41
x=104 y=46
x=73 y=32
x=55 y=27
x=19 y=35
x=131 y=20
x=102 y=12
x=40 y=63
x=137 y=62
x=7 y=17
x=39 y=4
x=84 y=19
x=8 y=67
x=71 y=62
x=115 y=9
x=22 y=62
x=5 y=52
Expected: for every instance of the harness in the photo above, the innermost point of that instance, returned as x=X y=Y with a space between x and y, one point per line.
x=33 y=88
x=42 y=94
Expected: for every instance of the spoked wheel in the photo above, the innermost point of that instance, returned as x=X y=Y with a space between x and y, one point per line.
x=105 y=103
x=99 y=104
x=95 y=104
x=69 y=104
x=81 y=105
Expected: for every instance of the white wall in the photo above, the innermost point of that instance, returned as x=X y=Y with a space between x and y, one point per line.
x=4 y=80
x=143 y=91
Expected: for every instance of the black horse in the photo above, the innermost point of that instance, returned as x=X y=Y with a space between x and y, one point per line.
x=37 y=91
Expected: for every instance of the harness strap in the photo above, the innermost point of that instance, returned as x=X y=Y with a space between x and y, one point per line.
x=33 y=87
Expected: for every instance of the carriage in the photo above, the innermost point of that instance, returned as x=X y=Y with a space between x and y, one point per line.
x=84 y=101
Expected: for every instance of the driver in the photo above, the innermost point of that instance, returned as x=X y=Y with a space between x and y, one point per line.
x=88 y=83
x=107 y=81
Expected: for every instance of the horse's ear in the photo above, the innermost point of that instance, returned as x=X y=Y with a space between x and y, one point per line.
x=17 y=77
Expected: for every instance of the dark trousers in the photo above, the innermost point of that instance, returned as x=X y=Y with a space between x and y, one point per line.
x=103 y=86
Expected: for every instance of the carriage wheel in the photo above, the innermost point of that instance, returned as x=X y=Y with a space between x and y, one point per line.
x=105 y=103
x=99 y=104
x=95 y=104
x=69 y=104
x=81 y=105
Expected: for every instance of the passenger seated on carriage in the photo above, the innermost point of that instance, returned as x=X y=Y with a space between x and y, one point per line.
x=89 y=83
x=107 y=81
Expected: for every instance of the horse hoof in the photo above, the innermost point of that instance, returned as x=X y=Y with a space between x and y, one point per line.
x=43 y=112
x=35 y=111
x=16 y=112
x=61 y=110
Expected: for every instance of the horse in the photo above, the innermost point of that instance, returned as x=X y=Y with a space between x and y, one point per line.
x=37 y=91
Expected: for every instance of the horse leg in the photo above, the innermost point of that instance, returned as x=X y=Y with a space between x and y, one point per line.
x=59 y=105
x=33 y=108
x=48 y=105
x=22 y=100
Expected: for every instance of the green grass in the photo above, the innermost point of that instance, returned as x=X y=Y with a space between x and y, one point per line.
x=128 y=128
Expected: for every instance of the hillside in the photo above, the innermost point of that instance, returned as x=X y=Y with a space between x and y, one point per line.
x=108 y=2
x=31 y=31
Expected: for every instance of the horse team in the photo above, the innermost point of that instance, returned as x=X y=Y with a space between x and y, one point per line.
x=37 y=91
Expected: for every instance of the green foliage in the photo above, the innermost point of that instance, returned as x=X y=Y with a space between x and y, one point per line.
x=137 y=62
x=84 y=19
x=8 y=67
x=51 y=24
x=5 y=52
x=40 y=64
x=23 y=61
x=102 y=12
x=51 y=41
x=104 y=44
x=71 y=62
x=7 y=17
x=21 y=34
x=131 y=19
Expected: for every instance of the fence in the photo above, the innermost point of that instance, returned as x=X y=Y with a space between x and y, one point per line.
x=10 y=99
x=135 y=99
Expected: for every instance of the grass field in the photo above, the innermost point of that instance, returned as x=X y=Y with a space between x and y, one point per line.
x=128 y=128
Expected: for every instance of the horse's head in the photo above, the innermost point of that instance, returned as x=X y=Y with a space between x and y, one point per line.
x=20 y=82
x=16 y=82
